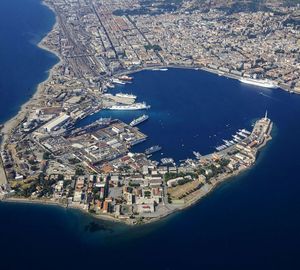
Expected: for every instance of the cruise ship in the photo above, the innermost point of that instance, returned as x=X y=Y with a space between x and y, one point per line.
x=262 y=83
x=136 y=106
x=139 y=120
x=122 y=95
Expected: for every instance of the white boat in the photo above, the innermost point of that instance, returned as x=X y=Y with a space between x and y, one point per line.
x=109 y=85
x=227 y=143
x=160 y=69
x=197 y=155
x=125 y=78
x=237 y=137
x=117 y=81
x=262 y=83
x=139 y=120
x=245 y=131
x=221 y=147
x=242 y=134
x=135 y=106
x=122 y=95
x=165 y=161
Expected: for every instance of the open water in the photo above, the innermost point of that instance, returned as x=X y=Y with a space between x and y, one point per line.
x=249 y=222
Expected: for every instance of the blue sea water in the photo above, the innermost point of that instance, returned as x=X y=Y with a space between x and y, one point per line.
x=23 y=23
x=249 y=222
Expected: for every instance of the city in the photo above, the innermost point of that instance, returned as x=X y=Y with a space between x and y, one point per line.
x=47 y=158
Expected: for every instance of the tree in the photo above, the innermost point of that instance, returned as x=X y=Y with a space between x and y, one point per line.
x=46 y=155
x=79 y=171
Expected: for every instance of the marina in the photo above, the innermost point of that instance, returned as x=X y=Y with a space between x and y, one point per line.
x=238 y=137
x=212 y=103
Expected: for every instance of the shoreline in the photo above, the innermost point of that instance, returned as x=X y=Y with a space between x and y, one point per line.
x=197 y=196
x=201 y=68
x=11 y=123
x=17 y=200
x=15 y=120
x=192 y=202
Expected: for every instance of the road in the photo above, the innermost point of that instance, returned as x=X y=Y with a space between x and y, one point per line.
x=3 y=179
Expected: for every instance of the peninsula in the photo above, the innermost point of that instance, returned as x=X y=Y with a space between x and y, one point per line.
x=45 y=158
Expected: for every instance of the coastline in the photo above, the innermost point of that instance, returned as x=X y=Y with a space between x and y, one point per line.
x=11 y=123
x=21 y=114
x=194 y=67
x=196 y=197
x=58 y=204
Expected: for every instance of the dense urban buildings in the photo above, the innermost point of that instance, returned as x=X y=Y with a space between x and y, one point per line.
x=45 y=157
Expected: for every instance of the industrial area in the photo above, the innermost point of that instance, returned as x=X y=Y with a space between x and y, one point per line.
x=47 y=158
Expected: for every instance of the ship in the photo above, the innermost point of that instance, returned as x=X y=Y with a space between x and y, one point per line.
x=241 y=134
x=135 y=106
x=221 y=147
x=197 y=155
x=165 y=161
x=139 y=120
x=262 y=83
x=245 y=131
x=110 y=85
x=122 y=95
x=228 y=143
x=152 y=149
x=117 y=81
x=125 y=78
x=237 y=137
x=132 y=143
x=160 y=69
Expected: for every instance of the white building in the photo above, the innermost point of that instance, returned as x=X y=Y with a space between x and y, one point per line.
x=56 y=122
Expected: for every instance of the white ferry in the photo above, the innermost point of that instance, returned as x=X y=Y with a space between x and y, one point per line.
x=160 y=69
x=117 y=81
x=122 y=95
x=136 y=106
x=262 y=83
x=139 y=120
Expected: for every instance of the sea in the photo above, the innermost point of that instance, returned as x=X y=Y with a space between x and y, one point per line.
x=250 y=222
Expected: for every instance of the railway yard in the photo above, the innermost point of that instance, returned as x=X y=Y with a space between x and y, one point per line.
x=45 y=157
